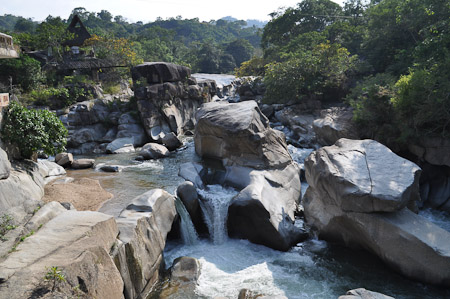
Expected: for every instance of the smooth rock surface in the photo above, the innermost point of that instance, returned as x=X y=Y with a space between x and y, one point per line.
x=335 y=123
x=118 y=144
x=159 y=72
x=83 y=163
x=171 y=141
x=143 y=226
x=239 y=134
x=363 y=176
x=362 y=293
x=64 y=159
x=5 y=165
x=78 y=243
x=154 y=151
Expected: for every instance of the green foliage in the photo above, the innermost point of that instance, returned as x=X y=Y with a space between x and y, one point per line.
x=110 y=88
x=373 y=110
x=321 y=73
x=422 y=101
x=55 y=276
x=6 y=224
x=32 y=130
x=24 y=71
x=252 y=67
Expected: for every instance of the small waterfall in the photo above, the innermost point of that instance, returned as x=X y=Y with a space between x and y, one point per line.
x=214 y=203
x=187 y=229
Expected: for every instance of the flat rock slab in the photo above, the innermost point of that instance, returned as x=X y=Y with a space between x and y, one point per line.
x=76 y=242
x=363 y=176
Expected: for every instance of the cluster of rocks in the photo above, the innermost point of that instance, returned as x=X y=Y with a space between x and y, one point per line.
x=254 y=159
x=98 y=256
x=362 y=194
x=166 y=100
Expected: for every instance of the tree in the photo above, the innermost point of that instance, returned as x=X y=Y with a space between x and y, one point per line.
x=52 y=33
x=24 y=25
x=105 y=15
x=24 y=71
x=120 y=51
x=241 y=50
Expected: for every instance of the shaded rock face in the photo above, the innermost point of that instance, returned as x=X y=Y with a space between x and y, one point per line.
x=167 y=107
x=143 y=226
x=434 y=150
x=94 y=124
x=256 y=161
x=239 y=134
x=78 y=243
x=363 y=176
x=159 y=72
x=435 y=187
x=344 y=204
x=335 y=123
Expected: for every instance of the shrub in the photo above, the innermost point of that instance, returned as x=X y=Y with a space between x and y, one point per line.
x=32 y=130
x=321 y=73
x=24 y=71
x=6 y=224
x=252 y=67
x=111 y=88
x=373 y=110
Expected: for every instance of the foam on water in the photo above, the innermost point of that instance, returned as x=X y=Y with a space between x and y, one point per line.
x=214 y=202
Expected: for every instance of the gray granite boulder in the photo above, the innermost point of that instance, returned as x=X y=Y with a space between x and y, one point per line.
x=171 y=141
x=239 y=134
x=83 y=163
x=154 y=151
x=335 y=123
x=159 y=72
x=363 y=176
x=78 y=243
x=64 y=159
x=362 y=293
x=359 y=194
x=143 y=227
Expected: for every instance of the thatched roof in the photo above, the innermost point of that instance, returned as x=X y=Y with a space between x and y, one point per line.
x=81 y=34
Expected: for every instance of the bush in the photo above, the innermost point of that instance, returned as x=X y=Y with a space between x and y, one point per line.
x=422 y=102
x=373 y=111
x=24 y=71
x=321 y=73
x=32 y=130
x=252 y=67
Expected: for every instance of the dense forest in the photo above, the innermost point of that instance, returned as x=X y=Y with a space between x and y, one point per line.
x=388 y=59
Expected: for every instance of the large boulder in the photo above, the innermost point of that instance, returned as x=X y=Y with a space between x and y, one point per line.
x=159 y=72
x=363 y=176
x=78 y=243
x=335 y=123
x=239 y=134
x=255 y=160
x=83 y=163
x=143 y=226
x=166 y=108
x=358 y=194
x=119 y=143
x=362 y=293
x=5 y=165
x=64 y=159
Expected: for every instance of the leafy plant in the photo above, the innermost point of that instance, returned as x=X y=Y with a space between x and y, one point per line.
x=32 y=130
x=55 y=276
x=6 y=224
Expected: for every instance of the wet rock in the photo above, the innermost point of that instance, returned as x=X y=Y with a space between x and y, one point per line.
x=143 y=226
x=435 y=187
x=192 y=172
x=64 y=159
x=5 y=165
x=335 y=123
x=185 y=269
x=187 y=193
x=171 y=141
x=362 y=293
x=83 y=163
x=154 y=151
x=434 y=150
x=111 y=168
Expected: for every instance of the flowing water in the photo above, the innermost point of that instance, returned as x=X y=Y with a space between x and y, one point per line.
x=313 y=269
x=187 y=229
x=214 y=202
